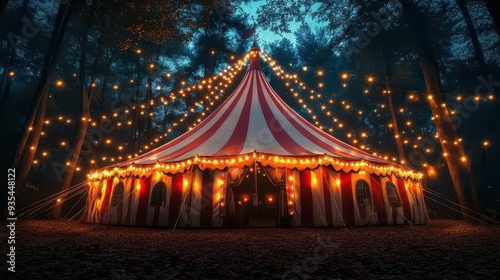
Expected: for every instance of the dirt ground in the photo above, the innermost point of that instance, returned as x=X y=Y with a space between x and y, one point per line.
x=444 y=249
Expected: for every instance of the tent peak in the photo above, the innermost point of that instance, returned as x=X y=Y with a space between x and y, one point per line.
x=254 y=57
x=254 y=45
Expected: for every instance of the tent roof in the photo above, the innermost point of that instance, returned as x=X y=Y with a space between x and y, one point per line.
x=253 y=119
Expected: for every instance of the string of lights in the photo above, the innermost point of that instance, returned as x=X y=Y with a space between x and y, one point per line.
x=295 y=79
x=218 y=90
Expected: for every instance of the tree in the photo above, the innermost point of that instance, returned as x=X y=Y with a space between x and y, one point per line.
x=395 y=128
x=453 y=154
x=133 y=36
x=483 y=67
x=87 y=90
x=343 y=18
x=34 y=122
x=9 y=67
x=3 y=4
x=494 y=13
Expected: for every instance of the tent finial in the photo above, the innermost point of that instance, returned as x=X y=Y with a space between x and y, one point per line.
x=255 y=46
x=254 y=55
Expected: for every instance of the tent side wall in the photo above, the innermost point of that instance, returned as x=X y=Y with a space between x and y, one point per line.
x=324 y=198
x=190 y=199
x=321 y=197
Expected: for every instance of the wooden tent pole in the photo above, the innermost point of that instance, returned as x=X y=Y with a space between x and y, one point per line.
x=256 y=194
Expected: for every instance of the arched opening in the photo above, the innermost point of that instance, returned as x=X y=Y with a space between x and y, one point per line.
x=117 y=195
x=158 y=195
x=263 y=210
x=392 y=194
x=364 y=201
x=363 y=196
x=117 y=203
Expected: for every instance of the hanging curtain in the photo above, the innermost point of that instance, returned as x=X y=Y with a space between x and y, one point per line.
x=236 y=175
x=223 y=181
x=275 y=175
x=289 y=191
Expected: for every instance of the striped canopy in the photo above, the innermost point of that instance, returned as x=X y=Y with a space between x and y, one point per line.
x=253 y=119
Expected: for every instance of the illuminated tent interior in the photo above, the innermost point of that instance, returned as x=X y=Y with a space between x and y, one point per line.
x=255 y=161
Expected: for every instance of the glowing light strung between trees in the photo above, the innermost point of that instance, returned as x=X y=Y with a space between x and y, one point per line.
x=294 y=77
x=224 y=75
x=345 y=75
x=280 y=73
x=204 y=83
x=235 y=70
x=328 y=113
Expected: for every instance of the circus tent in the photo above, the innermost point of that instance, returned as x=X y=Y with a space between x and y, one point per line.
x=195 y=179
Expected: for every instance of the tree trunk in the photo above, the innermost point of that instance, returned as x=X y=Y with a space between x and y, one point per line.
x=436 y=97
x=134 y=114
x=12 y=58
x=395 y=129
x=485 y=71
x=444 y=129
x=33 y=138
x=4 y=74
x=494 y=13
x=149 y=118
x=483 y=67
x=9 y=69
x=3 y=4
x=28 y=145
x=83 y=123
x=74 y=154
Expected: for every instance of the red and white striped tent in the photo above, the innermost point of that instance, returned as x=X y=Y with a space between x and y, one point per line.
x=190 y=181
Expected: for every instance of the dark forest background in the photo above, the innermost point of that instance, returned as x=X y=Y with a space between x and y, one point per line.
x=84 y=84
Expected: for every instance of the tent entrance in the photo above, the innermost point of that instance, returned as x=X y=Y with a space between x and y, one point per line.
x=268 y=212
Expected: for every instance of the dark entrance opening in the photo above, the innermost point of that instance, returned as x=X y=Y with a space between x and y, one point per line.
x=270 y=201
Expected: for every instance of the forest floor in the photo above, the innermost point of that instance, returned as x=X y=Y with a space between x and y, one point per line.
x=443 y=249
